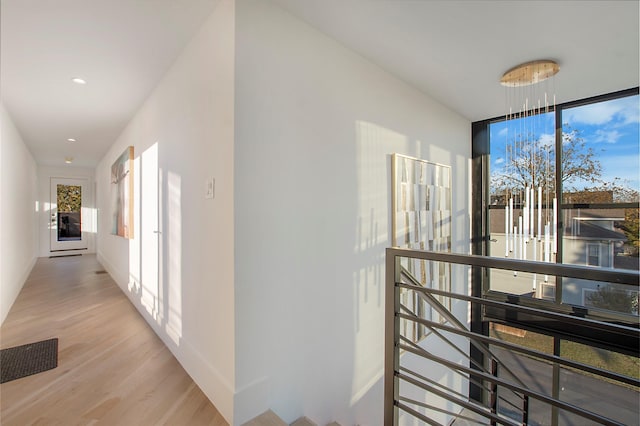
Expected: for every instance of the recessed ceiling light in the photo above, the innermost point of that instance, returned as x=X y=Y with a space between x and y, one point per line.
x=68 y=160
x=71 y=140
x=79 y=80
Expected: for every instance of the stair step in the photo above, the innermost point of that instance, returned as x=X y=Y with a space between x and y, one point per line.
x=268 y=418
x=303 y=421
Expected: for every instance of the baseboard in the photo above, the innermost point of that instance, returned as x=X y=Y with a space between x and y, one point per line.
x=204 y=374
x=216 y=388
x=22 y=280
x=251 y=400
x=112 y=271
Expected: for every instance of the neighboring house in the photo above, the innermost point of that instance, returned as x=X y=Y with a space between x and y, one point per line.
x=590 y=238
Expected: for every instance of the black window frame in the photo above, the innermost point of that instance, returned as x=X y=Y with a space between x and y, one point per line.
x=480 y=232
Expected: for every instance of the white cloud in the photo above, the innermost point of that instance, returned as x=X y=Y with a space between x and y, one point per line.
x=627 y=109
x=631 y=112
x=607 y=136
x=593 y=114
x=499 y=161
x=547 y=140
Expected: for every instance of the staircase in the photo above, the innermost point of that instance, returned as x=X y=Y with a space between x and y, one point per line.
x=269 y=418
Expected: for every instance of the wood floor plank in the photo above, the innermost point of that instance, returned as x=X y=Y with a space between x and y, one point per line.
x=112 y=368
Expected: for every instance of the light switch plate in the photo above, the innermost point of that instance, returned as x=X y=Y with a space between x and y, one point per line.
x=211 y=188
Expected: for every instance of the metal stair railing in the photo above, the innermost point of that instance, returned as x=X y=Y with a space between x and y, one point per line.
x=479 y=344
x=493 y=374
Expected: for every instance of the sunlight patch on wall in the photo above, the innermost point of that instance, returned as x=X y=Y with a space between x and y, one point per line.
x=150 y=233
x=89 y=220
x=174 y=257
x=374 y=144
x=134 y=243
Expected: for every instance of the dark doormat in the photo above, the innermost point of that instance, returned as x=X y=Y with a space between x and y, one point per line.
x=25 y=360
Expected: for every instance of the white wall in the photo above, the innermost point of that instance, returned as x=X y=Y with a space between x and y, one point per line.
x=181 y=280
x=45 y=173
x=18 y=219
x=315 y=125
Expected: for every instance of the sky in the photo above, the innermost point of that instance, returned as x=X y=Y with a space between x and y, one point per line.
x=611 y=129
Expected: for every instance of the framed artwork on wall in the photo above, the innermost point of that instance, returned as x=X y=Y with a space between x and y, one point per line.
x=122 y=195
x=421 y=220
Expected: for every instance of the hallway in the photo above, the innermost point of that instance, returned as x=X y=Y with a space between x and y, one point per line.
x=112 y=368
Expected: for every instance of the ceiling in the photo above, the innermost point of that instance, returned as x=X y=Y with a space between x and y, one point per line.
x=455 y=51
x=121 y=48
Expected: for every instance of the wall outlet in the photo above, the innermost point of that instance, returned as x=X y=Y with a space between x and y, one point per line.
x=211 y=188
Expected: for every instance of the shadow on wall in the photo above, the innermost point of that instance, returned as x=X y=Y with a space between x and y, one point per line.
x=155 y=252
x=375 y=144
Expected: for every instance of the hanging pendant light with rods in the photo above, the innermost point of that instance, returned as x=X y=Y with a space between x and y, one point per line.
x=530 y=234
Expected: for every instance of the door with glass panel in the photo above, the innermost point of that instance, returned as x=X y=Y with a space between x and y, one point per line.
x=67 y=202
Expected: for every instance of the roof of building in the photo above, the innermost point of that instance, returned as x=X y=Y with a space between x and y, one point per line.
x=586 y=229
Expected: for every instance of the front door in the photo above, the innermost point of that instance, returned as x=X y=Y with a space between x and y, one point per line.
x=66 y=214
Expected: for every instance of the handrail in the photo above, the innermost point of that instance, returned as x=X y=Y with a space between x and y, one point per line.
x=618 y=276
x=395 y=343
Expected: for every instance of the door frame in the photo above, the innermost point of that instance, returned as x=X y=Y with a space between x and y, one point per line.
x=56 y=246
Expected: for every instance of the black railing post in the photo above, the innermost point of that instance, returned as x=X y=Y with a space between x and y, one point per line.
x=480 y=243
x=525 y=410
x=392 y=336
x=493 y=396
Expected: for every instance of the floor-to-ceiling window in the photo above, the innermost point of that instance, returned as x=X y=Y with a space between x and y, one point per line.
x=562 y=185
x=599 y=205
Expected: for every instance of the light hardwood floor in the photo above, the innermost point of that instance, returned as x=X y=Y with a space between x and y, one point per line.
x=112 y=368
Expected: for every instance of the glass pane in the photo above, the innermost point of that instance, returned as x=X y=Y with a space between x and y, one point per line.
x=600 y=154
x=601 y=237
x=523 y=206
x=601 y=397
x=536 y=375
x=69 y=201
x=600 y=162
x=522 y=155
x=618 y=298
x=593 y=392
x=601 y=358
x=601 y=157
